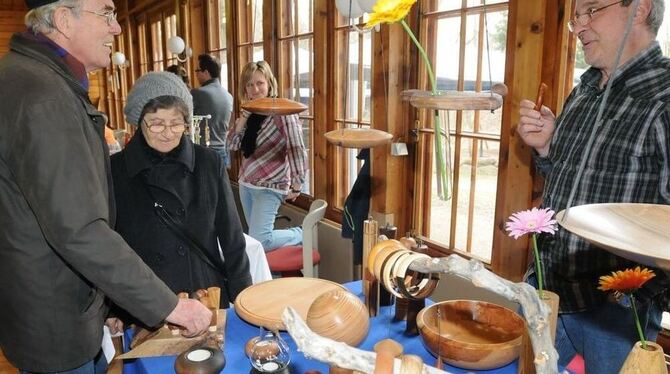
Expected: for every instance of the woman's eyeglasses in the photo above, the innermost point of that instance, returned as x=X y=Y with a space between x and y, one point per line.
x=158 y=127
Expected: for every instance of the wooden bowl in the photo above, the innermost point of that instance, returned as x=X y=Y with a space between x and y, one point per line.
x=271 y=105
x=472 y=334
x=638 y=232
x=339 y=315
x=358 y=137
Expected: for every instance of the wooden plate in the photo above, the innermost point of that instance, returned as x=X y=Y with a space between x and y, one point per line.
x=270 y=105
x=638 y=232
x=262 y=304
x=453 y=100
x=358 y=138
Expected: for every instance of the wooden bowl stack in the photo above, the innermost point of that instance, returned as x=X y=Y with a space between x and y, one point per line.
x=339 y=315
x=471 y=334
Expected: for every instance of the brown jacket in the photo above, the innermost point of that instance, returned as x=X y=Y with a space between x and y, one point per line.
x=59 y=256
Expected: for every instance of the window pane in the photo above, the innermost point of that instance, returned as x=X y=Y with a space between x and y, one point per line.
x=465 y=221
x=222 y=27
x=446 y=61
x=305 y=11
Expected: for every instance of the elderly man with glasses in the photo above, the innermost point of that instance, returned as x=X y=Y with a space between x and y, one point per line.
x=629 y=162
x=59 y=256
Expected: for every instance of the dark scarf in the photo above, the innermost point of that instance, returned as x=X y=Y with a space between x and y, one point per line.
x=254 y=123
x=77 y=68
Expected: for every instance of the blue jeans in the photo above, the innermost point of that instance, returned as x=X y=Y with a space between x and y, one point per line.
x=603 y=335
x=260 y=206
x=97 y=365
x=225 y=156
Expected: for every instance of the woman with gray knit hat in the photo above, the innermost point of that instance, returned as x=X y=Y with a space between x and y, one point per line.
x=174 y=201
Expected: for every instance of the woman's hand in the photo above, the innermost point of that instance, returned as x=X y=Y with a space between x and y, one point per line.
x=241 y=121
x=292 y=195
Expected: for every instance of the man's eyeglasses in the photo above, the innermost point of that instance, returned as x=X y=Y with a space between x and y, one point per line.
x=199 y=70
x=159 y=127
x=109 y=15
x=585 y=18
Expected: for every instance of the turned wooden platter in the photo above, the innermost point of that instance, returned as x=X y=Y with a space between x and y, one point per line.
x=262 y=304
x=358 y=138
x=270 y=105
x=638 y=232
x=453 y=100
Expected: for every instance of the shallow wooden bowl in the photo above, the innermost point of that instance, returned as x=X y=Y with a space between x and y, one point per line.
x=638 y=232
x=268 y=106
x=358 y=137
x=472 y=334
x=339 y=315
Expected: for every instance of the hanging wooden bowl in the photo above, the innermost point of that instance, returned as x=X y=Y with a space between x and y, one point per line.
x=274 y=106
x=358 y=138
x=638 y=232
x=454 y=100
x=471 y=334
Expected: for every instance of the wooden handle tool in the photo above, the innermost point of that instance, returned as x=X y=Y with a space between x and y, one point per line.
x=540 y=96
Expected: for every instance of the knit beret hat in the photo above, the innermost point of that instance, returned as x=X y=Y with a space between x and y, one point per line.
x=150 y=86
x=32 y=4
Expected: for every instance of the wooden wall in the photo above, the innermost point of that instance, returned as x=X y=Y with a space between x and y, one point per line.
x=11 y=21
x=12 y=13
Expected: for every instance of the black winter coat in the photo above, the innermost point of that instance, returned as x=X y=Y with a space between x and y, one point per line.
x=192 y=184
x=59 y=254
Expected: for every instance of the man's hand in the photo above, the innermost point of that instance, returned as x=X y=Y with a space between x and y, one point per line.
x=536 y=127
x=191 y=315
x=115 y=325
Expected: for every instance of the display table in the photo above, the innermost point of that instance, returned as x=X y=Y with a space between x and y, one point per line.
x=238 y=332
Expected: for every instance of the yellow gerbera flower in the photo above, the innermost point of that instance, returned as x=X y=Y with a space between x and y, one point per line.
x=625 y=281
x=389 y=11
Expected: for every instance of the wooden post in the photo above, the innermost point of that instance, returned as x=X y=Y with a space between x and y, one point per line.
x=370 y=285
x=527 y=356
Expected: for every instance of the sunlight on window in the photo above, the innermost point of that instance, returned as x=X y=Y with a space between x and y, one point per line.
x=465 y=222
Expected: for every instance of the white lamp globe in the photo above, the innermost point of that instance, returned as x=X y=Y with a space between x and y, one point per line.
x=366 y=5
x=176 y=45
x=343 y=7
x=118 y=58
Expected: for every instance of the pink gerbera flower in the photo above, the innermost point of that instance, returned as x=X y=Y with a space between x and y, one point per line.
x=531 y=221
x=534 y=221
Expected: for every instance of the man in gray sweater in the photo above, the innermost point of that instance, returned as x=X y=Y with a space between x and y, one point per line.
x=211 y=98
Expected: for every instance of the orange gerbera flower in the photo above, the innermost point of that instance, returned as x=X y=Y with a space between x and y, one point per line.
x=625 y=281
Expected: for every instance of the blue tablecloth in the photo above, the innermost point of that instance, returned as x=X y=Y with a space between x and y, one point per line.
x=239 y=331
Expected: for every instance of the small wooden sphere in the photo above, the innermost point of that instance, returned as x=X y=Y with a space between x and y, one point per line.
x=339 y=315
x=263 y=352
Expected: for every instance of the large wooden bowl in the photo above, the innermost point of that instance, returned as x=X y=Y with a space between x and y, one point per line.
x=339 y=315
x=262 y=304
x=638 y=232
x=472 y=334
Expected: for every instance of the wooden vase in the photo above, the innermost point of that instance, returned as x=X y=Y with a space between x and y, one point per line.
x=645 y=361
x=527 y=358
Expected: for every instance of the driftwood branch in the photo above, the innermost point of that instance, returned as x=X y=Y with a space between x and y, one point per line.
x=534 y=310
x=332 y=352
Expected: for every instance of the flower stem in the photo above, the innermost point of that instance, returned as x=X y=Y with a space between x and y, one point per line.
x=643 y=340
x=442 y=172
x=538 y=267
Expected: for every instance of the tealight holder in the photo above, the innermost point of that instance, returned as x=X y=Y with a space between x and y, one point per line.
x=269 y=353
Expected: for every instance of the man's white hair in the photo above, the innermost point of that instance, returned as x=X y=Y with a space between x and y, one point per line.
x=41 y=19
